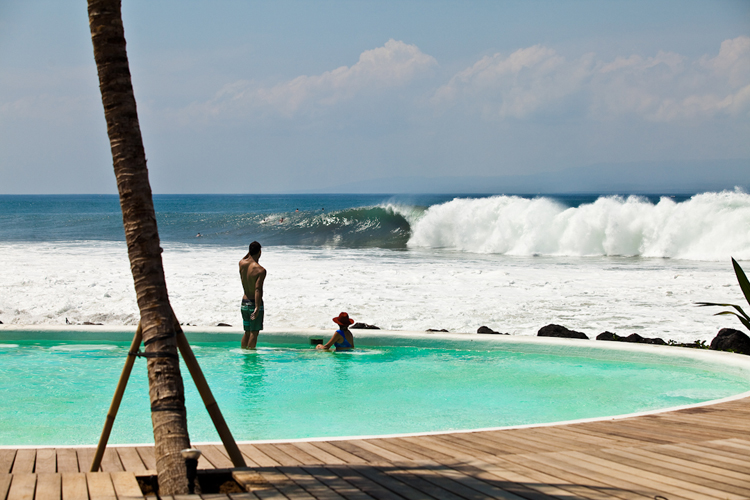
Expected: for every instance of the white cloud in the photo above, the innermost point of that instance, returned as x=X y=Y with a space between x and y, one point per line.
x=733 y=61
x=393 y=65
x=666 y=87
x=516 y=86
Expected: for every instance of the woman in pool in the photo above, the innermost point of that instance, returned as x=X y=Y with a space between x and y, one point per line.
x=343 y=339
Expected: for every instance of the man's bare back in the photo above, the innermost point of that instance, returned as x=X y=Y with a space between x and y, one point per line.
x=252 y=276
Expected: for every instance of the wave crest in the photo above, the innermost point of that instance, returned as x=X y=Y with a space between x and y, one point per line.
x=708 y=226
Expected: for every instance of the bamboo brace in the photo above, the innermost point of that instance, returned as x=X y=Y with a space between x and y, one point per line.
x=200 y=383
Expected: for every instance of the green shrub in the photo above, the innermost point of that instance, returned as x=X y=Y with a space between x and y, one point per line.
x=745 y=287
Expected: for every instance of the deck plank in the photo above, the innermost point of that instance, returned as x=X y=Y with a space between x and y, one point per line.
x=147 y=456
x=580 y=429
x=296 y=453
x=377 y=485
x=277 y=454
x=343 y=455
x=284 y=484
x=74 y=486
x=255 y=455
x=416 y=479
x=46 y=461
x=4 y=484
x=85 y=458
x=100 y=486
x=434 y=449
x=376 y=450
x=705 y=456
x=464 y=480
x=415 y=447
x=690 y=475
x=130 y=459
x=343 y=488
x=22 y=486
x=669 y=484
x=523 y=442
x=400 y=449
x=49 y=486
x=7 y=456
x=321 y=456
x=126 y=486
x=24 y=462
x=216 y=458
x=67 y=460
x=111 y=461
x=709 y=451
x=270 y=495
x=361 y=453
x=540 y=475
x=311 y=484
x=569 y=468
x=675 y=433
x=680 y=464
x=543 y=483
x=552 y=440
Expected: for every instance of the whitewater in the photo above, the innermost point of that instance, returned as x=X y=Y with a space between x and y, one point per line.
x=514 y=264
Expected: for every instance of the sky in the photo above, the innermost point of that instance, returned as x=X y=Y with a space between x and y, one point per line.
x=288 y=96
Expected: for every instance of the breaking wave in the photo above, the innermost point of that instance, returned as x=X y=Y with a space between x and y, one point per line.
x=708 y=226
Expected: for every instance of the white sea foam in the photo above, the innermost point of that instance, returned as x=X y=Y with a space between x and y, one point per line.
x=709 y=226
x=45 y=283
x=8 y=346
x=362 y=352
x=82 y=348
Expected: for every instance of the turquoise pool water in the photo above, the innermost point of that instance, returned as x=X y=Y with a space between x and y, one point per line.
x=57 y=392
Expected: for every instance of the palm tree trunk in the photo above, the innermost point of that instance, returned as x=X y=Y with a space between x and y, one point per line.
x=139 y=219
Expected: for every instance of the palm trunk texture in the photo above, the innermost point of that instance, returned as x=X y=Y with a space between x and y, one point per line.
x=139 y=219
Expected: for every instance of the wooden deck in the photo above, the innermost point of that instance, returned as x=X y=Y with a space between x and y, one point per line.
x=698 y=453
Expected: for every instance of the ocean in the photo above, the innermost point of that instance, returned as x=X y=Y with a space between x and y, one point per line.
x=592 y=263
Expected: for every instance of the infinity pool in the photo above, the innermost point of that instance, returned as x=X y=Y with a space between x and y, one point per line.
x=57 y=386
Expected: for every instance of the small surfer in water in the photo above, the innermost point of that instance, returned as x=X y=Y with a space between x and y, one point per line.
x=343 y=339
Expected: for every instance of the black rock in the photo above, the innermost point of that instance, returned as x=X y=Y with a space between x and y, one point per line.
x=560 y=331
x=607 y=336
x=364 y=326
x=223 y=324
x=697 y=344
x=632 y=338
x=729 y=339
x=437 y=331
x=485 y=329
x=637 y=339
x=1 y=322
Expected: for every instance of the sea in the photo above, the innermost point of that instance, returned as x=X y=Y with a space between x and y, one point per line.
x=593 y=263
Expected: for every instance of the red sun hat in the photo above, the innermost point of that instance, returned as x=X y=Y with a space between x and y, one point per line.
x=343 y=319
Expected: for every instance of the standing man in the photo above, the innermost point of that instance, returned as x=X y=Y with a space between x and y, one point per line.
x=252 y=275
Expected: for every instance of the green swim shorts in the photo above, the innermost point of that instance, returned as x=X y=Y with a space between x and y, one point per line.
x=251 y=325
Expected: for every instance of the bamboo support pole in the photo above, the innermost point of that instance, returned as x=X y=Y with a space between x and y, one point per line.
x=116 y=400
x=200 y=383
x=208 y=399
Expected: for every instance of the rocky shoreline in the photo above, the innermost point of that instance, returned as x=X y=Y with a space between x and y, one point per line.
x=728 y=339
